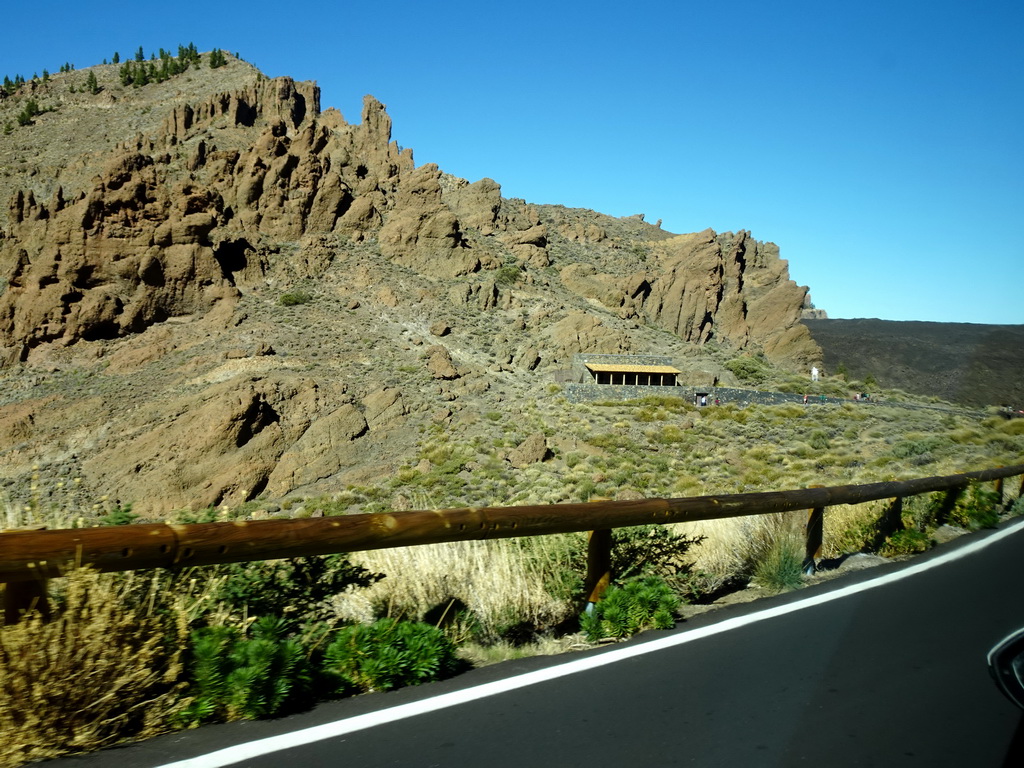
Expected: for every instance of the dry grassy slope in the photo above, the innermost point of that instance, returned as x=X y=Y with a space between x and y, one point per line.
x=80 y=417
x=261 y=398
x=965 y=363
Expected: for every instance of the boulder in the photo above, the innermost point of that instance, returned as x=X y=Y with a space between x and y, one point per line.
x=476 y=205
x=439 y=363
x=384 y=408
x=532 y=450
x=422 y=233
x=324 y=448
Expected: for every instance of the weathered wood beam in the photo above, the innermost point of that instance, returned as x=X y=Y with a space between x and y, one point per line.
x=34 y=555
x=599 y=564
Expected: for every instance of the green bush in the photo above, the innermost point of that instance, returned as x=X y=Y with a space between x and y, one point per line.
x=295 y=298
x=585 y=488
x=30 y=111
x=647 y=603
x=295 y=587
x=909 y=541
x=819 y=441
x=508 y=275
x=781 y=567
x=573 y=458
x=650 y=550
x=749 y=370
x=387 y=654
x=233 y=677
x=612 y=441
x=119 y=515
x=977 y=507
x=668 y=434
x=910 y=448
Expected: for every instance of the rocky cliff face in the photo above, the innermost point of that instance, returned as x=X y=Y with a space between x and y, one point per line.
x=707 y=286
x=173 y=224
x=161 y=277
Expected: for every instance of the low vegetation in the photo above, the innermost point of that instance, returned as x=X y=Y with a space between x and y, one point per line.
x=263 y=639
x=633 y=607
x=387 y=654
x=295 y=298
x=107 y=667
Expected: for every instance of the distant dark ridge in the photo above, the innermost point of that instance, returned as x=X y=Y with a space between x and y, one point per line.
x=976 y=365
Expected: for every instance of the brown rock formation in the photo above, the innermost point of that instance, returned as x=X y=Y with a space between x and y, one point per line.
x=732 y=287
x=422 y=233
x=530 y=451
x=323 y=449
x=384 y=408
x=145 y=244
x=582 y=332
x=219 y=448
x=705 y=286
x=439 y=363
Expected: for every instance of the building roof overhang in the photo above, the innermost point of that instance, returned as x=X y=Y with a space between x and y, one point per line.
x=611 y=368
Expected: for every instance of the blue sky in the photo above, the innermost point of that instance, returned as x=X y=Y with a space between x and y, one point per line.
x=879 y=144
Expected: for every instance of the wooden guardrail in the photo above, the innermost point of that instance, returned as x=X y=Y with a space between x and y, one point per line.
x=29 y=557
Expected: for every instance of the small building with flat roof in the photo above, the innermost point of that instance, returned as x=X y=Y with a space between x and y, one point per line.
x=634 y=375
x=625 y=370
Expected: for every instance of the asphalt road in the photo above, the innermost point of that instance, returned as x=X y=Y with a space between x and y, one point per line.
x=881 y=668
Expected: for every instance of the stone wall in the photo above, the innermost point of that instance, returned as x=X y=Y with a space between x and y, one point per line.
x=588 y=393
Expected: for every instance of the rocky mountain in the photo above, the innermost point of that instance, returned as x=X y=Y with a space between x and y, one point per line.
x=213 y=290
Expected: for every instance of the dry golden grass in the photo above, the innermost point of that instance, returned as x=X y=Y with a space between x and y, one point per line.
x=102 y=670
x=722 y=553
x=55 y=504
x=731 y=547
x=501 y=582
x=846 y=527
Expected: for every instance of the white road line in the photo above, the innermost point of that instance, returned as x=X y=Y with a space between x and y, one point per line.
x=254 y=749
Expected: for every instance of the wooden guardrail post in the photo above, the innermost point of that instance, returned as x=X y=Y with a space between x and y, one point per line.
x=23 y=596
x=815 y=533
x=891 y=522
x=948 y=503
x=599 y=564
x=999 y=491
